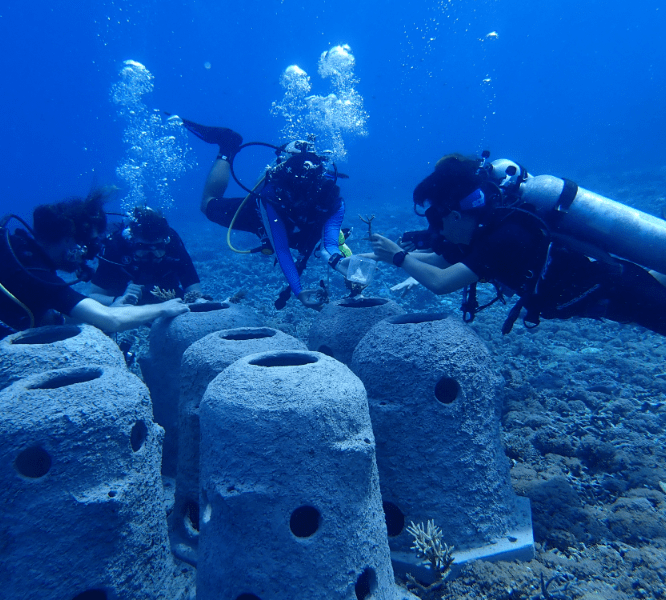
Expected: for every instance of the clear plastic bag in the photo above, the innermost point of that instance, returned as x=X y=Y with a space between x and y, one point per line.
x=361 y=270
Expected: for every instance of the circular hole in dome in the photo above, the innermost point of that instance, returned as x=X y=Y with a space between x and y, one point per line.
x=304 y=521
x=366 y=584
x=91 y=595
x=327 y=350
x=363 y=303
x=284 y=359
x=59 y=379
x=395 y=520
x=47 y=335
x=248 y=597
x=256 y=333
x=417 y=318
x=447 y=390
x=33 y=462
x=112 y=494
x=191 y=515
x=207 y=306
x=138 y=435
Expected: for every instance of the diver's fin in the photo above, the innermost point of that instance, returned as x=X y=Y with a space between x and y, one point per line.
x=225 y=138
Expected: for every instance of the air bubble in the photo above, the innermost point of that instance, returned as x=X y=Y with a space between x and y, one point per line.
x=157 y=150
x=328 y=118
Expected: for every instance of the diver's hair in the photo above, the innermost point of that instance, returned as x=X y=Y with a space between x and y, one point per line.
x=455 y=176
x=82 y=219
x=148 y=224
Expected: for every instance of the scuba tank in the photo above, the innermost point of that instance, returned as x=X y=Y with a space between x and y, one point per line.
x=590 y=219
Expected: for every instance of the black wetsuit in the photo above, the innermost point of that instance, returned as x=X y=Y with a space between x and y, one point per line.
x=555 y=282
x=30 y=276
x=117 y=267
x=292 y=224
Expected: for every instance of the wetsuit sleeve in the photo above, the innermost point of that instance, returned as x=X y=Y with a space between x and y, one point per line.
x=49 y=293
x=67 y=300
x=331 y=233
x=281 y=247
x=187 y=274
x=34 y=283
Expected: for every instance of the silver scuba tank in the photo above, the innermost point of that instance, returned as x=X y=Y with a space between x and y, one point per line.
x=611 y=226
x=594 y=220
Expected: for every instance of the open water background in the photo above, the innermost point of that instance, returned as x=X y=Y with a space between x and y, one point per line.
x=576 y=88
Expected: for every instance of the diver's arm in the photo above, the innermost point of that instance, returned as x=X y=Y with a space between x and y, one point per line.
x=131 y=295
x=429 y=269
x=331 y=239
x=100 y=295
x=431 y=258
x=124 y=317
x=437 y=280
x=331 y=230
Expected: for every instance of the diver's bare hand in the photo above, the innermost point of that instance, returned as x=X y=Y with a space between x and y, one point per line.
x=312 y=298
x=383 y=248
x=131 y=295
x=405 y=286
x=173 y=308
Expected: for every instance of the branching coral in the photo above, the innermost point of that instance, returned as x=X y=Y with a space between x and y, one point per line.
x=434 y=553
x=163 y=294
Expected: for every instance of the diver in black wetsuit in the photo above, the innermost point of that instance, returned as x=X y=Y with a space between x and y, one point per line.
x=144 y=255
x=296 y=205
x=482 y=228
x=64 y=236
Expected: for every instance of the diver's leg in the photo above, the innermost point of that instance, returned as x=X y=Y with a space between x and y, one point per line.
x=216 y=182
x=636 y=296
x=218 y=177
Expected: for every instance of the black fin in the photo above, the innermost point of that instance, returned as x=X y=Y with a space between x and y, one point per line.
x=222 y=136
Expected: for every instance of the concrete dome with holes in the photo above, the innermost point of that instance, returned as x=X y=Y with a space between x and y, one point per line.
x=81 y=495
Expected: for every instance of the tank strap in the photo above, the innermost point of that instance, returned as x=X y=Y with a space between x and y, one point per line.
x=567 y=196
x=470 y=305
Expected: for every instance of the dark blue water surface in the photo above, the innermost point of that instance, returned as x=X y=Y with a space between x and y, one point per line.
x=575 y=87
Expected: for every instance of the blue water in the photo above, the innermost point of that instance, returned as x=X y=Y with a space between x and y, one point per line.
x=575 y=87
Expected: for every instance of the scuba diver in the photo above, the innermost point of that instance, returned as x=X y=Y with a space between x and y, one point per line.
x=64 y=236
x=143 y=262
x=296 y=204
x=565 y=251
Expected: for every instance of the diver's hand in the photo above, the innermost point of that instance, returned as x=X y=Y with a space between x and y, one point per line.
x=131 y=295
x=173 y=308
x=384 y=248
x=313 y=298
x=407 y=245
x=405 y=286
